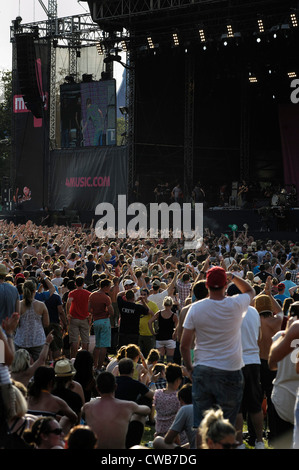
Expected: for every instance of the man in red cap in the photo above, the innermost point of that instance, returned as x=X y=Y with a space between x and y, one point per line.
x=281 y=293
x=216 y=322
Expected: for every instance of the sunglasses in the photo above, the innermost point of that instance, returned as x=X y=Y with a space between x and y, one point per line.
x=56 y=431
x=228 y=445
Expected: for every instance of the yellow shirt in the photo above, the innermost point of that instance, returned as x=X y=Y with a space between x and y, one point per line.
x=143 y=323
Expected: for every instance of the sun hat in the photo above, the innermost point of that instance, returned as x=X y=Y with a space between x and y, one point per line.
x=263 y=303
x=3 y=270
x=216 y=277
x=64 y=368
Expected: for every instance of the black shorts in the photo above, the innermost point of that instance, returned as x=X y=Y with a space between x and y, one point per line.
x=253 y=392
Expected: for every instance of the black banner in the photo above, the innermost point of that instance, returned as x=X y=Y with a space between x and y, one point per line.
x=83 y=178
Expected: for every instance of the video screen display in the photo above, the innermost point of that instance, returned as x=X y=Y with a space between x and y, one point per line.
x=88 y=114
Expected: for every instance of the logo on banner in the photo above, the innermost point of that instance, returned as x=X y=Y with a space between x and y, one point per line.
x=158 y=217
x=88 y=182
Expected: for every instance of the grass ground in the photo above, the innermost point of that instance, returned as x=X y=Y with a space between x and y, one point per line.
x=148 y=436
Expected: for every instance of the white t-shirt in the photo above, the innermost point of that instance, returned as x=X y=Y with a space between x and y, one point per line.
x=217 y=324
x=158 y=298
x=285 y=386
x=250 y=333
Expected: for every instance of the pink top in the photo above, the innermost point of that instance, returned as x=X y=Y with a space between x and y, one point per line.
x=167 y=406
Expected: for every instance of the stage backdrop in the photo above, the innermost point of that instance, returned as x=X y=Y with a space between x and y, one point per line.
x=289 y=125
x=82 y=178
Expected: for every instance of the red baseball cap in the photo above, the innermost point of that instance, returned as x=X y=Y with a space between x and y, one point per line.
x=216 y=277
x=20 y=275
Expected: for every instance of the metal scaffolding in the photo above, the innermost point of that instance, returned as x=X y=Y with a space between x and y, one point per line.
x=72 y=32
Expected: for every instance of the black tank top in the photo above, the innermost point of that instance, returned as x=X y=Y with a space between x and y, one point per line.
x=166 y=326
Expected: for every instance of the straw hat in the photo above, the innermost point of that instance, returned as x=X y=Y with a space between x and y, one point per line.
x=263 y=303
x=64 y=368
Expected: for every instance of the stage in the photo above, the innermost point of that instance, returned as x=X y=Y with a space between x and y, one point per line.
x=263 y=225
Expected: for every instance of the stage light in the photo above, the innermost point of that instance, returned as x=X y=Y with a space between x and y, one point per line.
x=17 y=23
x=124 y=46
x=230 y=33
x=202 y=35
x=176 y=39
x=124 y=110
x=294 y=20
x=150 y=43
x=100 y=48
x=252 y=78
x=261 y=25
x=292 y=75
x=258 y=39
x=225 y=43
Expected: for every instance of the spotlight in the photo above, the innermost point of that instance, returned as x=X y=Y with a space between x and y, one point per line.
x=150 y=43
x=202 y=35
x=230 y=33
x=252 y=78
x=124 y=46
x=294 y=20
x=176 y=39
x=260 y=25
x=225 y=43
x=17 y=23
x=258 y=40
x=100 y=48
x=124 y=110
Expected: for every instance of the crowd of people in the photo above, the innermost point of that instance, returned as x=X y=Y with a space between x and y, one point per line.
x=102 y=337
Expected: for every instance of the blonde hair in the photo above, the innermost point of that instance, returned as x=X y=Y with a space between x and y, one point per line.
x=167 y=301
x=21 y=361
x=214 y=427
x=21 y=406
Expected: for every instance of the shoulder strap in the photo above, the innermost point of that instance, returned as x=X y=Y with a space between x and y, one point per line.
x=13 y=425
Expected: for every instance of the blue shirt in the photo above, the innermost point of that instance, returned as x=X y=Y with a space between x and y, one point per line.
x=9 y=296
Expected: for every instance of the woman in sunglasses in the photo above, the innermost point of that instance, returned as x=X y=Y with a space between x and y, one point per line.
x=45 y=434
x=215 y=432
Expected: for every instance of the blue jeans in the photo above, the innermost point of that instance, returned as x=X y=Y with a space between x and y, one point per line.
x=212 y=387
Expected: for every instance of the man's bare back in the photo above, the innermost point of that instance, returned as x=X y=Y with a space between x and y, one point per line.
x=269 y=326
x=109 y=418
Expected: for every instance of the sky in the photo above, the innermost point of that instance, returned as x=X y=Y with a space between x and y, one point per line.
x=31 y=11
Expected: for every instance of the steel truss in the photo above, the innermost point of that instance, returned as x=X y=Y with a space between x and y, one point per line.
x=73 y=32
